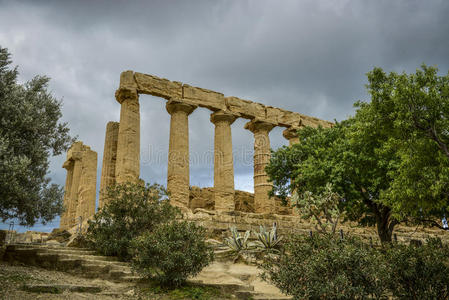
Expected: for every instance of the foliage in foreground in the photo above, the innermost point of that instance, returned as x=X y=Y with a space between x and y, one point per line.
x=322 y=266
x=130 y=210
x=326 y=267
x=172 y=252
x=419 y=272
x=30 y=131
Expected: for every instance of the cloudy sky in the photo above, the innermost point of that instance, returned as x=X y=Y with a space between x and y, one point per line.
x=308 y=56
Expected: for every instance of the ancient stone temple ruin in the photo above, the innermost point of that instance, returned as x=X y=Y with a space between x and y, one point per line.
x=121 y=159
x=80 y=186
x=122 y=144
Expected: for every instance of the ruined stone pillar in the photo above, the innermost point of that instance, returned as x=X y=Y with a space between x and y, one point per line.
x=64 y=223
x=223 y=161
x=87 y=185
x=109 y=160
x=178 y=153
x=262 y=202
x=75 y=155
x=128 y=143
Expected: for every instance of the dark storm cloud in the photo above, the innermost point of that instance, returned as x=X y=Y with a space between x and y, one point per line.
x=305 y=56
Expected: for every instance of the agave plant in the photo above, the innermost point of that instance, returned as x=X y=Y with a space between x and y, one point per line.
x=237 y=242
x=268 y=239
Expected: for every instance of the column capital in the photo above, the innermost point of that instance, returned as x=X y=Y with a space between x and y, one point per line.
x=222 y=116
x=256 y=125
x=291 y=132
x=175 y=105
x=68 y=165
x=124 y=93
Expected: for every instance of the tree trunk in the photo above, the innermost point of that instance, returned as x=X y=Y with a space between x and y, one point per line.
x=385 y=224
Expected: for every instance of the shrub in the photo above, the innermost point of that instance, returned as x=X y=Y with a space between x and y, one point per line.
x=172 y=252
x=419 y=272
x=130 y=210
x=324 y=267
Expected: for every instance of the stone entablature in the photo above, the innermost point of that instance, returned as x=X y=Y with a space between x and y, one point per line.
x=164 y=88
x=80 y=187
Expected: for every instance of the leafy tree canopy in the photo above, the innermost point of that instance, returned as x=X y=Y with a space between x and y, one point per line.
x=389 y=162
x=30 y=130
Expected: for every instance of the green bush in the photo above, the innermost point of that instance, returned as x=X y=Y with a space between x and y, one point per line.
x=130 y=210
x=324 y=267
x=419 y=272
x=172 y=252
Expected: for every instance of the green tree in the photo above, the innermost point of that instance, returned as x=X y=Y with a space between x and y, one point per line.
x=347 y=157
x=414 y=109
x=30 y=130
x=390 y=161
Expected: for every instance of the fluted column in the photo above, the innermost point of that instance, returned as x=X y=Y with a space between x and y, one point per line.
x=87 y=185
x=128 y=143
x=77 y=167
x=64 y=223
x=178 y=181
x=223 y=161
x=262 y=202
x=109 y=160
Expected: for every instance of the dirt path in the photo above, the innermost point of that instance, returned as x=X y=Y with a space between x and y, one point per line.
x=14 y=279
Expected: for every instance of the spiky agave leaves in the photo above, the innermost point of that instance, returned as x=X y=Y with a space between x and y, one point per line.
x=237 y=242
x=269 y=239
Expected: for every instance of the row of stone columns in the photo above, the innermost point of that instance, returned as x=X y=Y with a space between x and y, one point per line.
x=178 y=181
x=80 y=188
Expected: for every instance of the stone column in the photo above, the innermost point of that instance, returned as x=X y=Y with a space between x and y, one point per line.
x=109 y=160
x=77 y=167
x=128 y=143
x=87 y=185
x=262 y=202
x=291 y=134
x=64 y=223
x=223 y=161
x=178 y=153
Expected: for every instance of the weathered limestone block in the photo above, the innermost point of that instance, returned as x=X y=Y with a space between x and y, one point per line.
x=272 y=114
x=128 y=143
x=201 y=198
x=247 y=109
x=109 y=160
x=159 y=87
x=223 y=161
x=87 y=185
x=178 y=177
x=291 y=134
x=262 y=202
x=203 y=97
x=127 y=81
x=288 y=118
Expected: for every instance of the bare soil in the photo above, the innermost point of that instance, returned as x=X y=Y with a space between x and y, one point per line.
x=14 y=279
